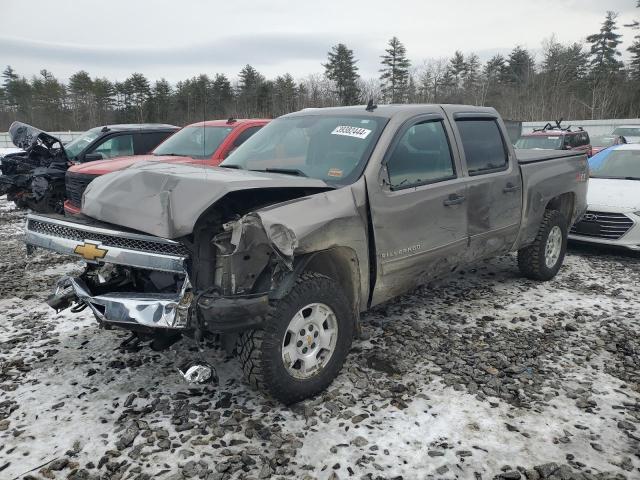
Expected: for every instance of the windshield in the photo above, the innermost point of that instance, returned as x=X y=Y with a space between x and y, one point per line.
x=77 y=145
x=194 y=142
x=540 y=141
x=330 y=148
x=627 y=131
x=624 y=164
x=603 y=141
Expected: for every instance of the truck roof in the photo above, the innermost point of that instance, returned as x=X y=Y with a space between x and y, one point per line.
x=139 y=126
x=232 y=122
x=390 y=110
x=551 y=133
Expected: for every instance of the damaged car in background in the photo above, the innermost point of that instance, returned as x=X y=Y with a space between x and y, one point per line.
x=34 y=176
x=321 y=215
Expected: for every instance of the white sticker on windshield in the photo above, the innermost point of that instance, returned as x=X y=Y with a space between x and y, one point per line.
x=348 y=131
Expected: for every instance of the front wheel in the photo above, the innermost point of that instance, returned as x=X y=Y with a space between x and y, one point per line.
x=304 y=342
x=543 y=258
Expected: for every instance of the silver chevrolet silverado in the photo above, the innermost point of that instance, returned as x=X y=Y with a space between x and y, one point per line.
x=318 y=217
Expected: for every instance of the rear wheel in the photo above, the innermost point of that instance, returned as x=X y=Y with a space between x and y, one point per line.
x=304 y=342
x=543 y=258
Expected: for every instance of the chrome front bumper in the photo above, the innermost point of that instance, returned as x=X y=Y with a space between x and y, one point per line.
x=120 y=248
x=106 y=246
x=131 y=308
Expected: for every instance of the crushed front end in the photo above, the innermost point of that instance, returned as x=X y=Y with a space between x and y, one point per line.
x=130 y=280
x=139 y=282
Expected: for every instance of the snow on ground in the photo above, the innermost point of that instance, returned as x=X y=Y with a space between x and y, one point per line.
x=7 y=150
x=478 y=375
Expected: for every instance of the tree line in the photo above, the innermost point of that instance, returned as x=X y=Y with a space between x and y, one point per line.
x=577 y=81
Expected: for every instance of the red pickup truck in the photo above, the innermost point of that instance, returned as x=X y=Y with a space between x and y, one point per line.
x=206 y=143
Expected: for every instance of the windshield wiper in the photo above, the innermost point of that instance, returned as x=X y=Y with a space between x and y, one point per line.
x=632 y=178
x=169 y=155
x=286 y=171
x=237 y=167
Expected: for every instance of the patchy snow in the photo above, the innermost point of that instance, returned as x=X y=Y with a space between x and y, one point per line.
x=480 y=373
x=7 y=150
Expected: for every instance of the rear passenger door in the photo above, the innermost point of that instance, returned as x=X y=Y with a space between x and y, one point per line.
x=419 y=209
x=494 y=187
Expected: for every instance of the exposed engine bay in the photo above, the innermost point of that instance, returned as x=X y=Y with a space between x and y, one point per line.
x=34 y=178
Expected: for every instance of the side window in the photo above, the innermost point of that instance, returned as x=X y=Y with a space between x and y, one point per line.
x=484 y=147
x=119 y=146
x=146 y=142
x=244 y=136
x=585 y=138
x=569 y=141
x=421 y=156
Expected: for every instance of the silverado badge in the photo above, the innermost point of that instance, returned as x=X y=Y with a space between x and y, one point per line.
x=90 y=251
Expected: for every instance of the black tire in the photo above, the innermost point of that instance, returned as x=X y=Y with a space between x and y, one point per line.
x=531 y=259
x=260 y=350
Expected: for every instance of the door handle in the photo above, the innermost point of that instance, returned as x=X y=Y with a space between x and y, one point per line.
x=454 y=200
x=511 y=188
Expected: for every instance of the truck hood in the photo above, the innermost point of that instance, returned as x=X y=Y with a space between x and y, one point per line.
x=102 y=167
x=167 y=199
x=26 y=137
x=610 y=192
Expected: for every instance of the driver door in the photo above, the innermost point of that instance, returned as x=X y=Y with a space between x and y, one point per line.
x=419 y=210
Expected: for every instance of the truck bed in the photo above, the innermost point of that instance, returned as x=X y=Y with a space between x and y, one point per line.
x=538 y=155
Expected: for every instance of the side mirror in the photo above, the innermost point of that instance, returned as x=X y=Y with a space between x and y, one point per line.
x=92 y=157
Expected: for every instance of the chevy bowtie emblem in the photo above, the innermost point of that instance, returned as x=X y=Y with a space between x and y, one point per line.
x=90 y=251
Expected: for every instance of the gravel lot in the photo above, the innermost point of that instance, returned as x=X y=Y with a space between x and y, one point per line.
x=481 y=375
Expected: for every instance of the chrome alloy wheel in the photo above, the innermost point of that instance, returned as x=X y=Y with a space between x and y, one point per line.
x=553 y=247
x=309 y=341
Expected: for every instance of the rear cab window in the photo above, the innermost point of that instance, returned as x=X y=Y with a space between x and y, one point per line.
x=484 y=147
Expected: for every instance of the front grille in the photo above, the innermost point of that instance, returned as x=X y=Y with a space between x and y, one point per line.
x=605 y=225
x=73 y=233
x=76 y=184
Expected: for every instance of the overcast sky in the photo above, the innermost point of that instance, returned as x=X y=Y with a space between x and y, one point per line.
x=179 y=39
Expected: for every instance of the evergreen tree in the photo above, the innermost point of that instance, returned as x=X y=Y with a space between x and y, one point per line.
x=471 y=77
x=161 y=101
x=457 y=68
x=395 y=72
x=604 y=48
x=81 y=99
x=103 y=92
x=520 y=66
x=48 y=99
x=18 y=94
x=634 y=49
x=284 y=95
x=139 y=90
x=222 y=95
x=342 y=70
x=249 y=90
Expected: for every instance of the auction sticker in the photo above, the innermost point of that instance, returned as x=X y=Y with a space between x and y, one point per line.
x=334 y=172
x=348 y=131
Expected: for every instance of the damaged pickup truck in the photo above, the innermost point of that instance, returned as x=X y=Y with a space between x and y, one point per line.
x=318 y=217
